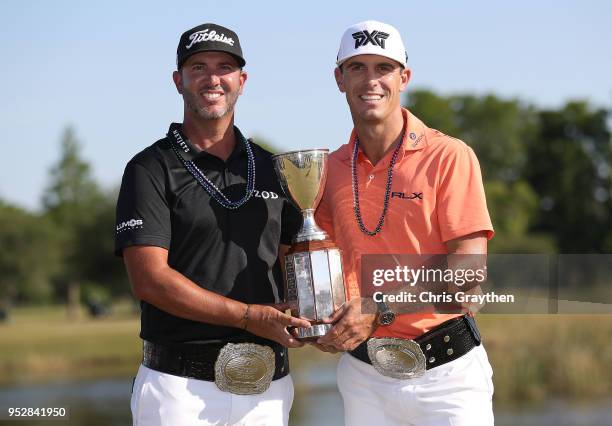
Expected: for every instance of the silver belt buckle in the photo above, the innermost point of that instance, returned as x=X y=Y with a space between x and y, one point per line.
x=244 y=368
x=398 y=358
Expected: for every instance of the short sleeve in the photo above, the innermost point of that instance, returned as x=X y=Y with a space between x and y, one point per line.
x=142 y=216
x=291 y=222
x=461 y=202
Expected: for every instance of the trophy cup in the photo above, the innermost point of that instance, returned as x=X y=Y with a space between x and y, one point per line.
x=314 y=284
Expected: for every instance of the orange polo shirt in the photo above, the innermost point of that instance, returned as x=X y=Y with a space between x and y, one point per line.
x=452 y=204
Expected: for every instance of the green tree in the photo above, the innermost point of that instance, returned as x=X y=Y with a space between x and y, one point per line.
x=71 y=202
x=99 y=266
x=513 y=208
x=569 y=168
x=498 y=130
x=28 y=258
x=436 y=111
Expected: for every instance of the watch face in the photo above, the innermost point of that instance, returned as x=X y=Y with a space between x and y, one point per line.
x=386 y=318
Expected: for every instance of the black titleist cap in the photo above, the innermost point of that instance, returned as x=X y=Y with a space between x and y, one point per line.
x=208 y=37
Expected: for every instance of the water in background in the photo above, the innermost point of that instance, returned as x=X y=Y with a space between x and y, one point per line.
x=317 y=403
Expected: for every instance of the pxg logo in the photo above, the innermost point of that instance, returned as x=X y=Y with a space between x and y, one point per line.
x=377 y=38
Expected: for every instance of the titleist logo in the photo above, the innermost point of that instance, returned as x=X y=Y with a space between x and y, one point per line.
x=204 y=35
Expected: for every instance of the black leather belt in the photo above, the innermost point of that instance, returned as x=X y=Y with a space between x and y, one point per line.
x=197 y=360
x=450 y=340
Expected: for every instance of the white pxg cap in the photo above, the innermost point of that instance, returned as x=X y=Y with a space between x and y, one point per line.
x=372 y=38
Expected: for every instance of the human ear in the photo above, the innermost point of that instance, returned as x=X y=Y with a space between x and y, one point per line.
x=339 y=79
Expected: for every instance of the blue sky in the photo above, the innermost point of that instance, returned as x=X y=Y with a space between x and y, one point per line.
x=105 y=68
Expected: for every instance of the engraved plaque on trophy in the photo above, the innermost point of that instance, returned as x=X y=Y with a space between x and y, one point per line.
x=314 y=284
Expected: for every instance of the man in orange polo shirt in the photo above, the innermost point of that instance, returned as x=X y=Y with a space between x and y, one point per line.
x=399 y=187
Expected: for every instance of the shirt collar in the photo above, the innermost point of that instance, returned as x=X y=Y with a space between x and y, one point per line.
x=190 y=152
x=415 y=138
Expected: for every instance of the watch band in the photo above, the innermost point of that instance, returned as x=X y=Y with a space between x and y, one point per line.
x=385 y=315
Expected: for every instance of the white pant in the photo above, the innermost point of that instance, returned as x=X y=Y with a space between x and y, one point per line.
x=162 y=399
x=453 y=394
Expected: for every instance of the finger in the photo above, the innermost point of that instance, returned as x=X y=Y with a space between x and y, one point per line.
x=336 y=315
x=296 y=322
x=352 y=343
x=331 y=349
x=287 y=335
x=333 y=336
x=341 y=343
x=346 y=333
x=294 y=343
x=291 y=342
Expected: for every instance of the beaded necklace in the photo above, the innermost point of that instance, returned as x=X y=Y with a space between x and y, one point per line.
x=206 y=183
x=356 y=207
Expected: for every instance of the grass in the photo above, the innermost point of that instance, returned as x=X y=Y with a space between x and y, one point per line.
x=43 y=343
x=534 y=357
x=538 y=357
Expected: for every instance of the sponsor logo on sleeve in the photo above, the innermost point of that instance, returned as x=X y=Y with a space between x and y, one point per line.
x=129 y=225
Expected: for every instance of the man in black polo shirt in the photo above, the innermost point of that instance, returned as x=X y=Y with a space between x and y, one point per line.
x=201 y=219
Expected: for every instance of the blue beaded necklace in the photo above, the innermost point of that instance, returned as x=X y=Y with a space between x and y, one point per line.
x=206 y=183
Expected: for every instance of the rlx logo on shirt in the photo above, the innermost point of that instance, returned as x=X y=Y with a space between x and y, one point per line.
x=413 y=196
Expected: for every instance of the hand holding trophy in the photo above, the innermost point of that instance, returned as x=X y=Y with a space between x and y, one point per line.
x=314 y=284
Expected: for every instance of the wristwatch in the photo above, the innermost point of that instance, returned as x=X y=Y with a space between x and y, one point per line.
x=385 y=315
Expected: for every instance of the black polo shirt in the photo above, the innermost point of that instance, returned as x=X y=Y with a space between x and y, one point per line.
x=231 y=252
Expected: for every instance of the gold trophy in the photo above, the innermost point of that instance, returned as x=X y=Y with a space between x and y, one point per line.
x=314 y=284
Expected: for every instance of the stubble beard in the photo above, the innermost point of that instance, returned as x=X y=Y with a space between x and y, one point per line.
x=204 y=112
